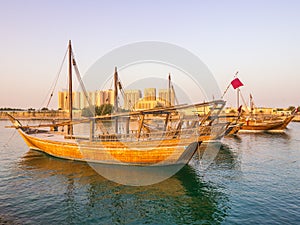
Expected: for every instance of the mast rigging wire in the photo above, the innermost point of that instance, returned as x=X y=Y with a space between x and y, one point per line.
x=81 y=83
x=53 y=86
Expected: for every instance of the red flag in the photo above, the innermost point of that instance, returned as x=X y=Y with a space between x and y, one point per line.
x=236 y=83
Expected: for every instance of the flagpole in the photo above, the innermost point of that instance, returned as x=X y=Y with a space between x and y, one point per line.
x=238 y=98
x=235 y=75
x=225 y=91
x=250 y=103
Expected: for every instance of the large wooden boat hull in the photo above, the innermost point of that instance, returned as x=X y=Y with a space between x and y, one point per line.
x=213 y=132
x=260 y=125
x=154 y=153
x=233 y=129
x=287 y=120
x=252 y=126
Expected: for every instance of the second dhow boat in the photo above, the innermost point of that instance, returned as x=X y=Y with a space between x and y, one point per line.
x=257 y=123
x=251 y=122
x=130 y=147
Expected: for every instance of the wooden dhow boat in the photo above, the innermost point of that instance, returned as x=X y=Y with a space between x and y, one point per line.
x=134 y=147
x=257 y=123
x=124 y=138
x=250 y=122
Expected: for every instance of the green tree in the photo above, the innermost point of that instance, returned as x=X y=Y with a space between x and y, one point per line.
x=87 y=112
x=104 y=109
x=97 y=110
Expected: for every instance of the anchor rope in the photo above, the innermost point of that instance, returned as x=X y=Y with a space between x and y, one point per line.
x=10 y=138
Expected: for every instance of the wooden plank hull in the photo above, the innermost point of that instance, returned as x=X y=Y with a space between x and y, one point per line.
x=287 y=120
x=262 y=123
x=263 y=126
x=213 y=132
x=233 y=129
x=159 y=152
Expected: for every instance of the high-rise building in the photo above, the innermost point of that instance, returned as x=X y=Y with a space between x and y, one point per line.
x=131 y=97
x=143 y=104
x=62 y=97
x=83 y=101
x=150 y=94
x=63 y=100
x=80 y=100
x=92 y=98
x=76 y=99
x=105 y=97
x=165 y=96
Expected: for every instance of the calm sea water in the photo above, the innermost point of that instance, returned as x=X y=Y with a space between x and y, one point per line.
x=255 y=179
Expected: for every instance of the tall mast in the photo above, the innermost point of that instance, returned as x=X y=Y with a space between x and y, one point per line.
x=70 y=126
x=116 y=79
x=237 y=92
x=169 y=90
x=116 y=90
x=238 y=98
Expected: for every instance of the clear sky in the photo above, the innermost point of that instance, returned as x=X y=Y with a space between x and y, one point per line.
x=260 y=39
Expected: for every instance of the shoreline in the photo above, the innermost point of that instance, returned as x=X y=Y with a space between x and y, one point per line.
x=64 y=115
x=38 y=115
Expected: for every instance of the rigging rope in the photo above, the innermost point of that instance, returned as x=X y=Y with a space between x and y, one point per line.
x=235 y=76
x=245 y=104
x=175 y=96
x=81 y=83
x=120 y=84
x=53 y=86
x=10 y=138
x=130 y=104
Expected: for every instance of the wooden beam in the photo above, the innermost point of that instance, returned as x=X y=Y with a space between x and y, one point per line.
x=140 y=126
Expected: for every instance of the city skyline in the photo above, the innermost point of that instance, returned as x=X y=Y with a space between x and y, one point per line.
x=133 y=99
x=258 y=39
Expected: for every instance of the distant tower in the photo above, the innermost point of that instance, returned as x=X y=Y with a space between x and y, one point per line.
x=63 y=102
x=150 y=94
x=131 y=97
x=163 y=96
x=76 y=100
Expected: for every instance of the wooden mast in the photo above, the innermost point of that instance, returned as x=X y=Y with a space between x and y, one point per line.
x=237 y=92
x=238 y=98
x=169 y=90
x=169 y=102
x=116 y=79
x=70 y=126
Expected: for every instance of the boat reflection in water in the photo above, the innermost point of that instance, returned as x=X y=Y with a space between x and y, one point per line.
x=78 y=194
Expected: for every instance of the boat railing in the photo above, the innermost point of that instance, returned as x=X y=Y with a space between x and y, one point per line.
x=132 y=136
x=158 y=135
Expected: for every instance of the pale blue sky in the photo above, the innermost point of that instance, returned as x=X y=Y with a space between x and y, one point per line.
x=260 y=39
